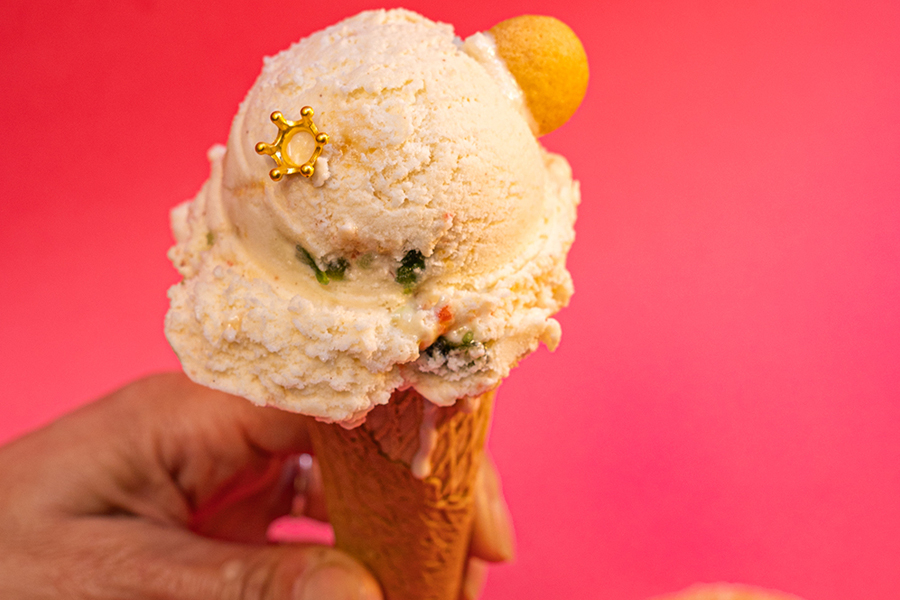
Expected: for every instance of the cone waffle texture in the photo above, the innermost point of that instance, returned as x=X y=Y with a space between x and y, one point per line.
x=412 y=533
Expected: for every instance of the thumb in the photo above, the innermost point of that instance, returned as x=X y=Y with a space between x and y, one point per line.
x=294 y=572
x=138 y=559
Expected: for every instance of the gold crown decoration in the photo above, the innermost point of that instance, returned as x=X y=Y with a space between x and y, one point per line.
x=278 y=149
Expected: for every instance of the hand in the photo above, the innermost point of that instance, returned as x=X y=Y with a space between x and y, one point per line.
x=165 y=490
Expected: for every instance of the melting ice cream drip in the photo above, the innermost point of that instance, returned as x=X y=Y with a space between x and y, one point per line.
x=469 y=404
x=421 y=462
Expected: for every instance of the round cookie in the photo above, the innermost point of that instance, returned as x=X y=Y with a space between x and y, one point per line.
x=726 y=591
x=549 y=63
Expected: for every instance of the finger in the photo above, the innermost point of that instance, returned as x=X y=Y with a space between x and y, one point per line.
x=103 y=558
x=206 y=436
x=208 y=443
x=173 y=451
x=474 y=579
x=244 y=514
x=492 y=535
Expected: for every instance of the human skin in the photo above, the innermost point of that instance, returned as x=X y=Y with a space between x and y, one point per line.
x=165 y=490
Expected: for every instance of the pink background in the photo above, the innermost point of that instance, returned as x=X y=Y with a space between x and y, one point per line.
x=724 y=405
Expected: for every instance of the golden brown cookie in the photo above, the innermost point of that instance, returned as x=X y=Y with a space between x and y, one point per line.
x=726 y=591
x=549 y=63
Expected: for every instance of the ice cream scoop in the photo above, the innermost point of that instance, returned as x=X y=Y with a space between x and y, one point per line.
x=427 y=248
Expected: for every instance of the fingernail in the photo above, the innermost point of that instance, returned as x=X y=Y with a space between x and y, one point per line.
x=475 y=578
x=303 y=478
x=302 y=470
x=505 y=538
x=335 y=582
x=500 y=517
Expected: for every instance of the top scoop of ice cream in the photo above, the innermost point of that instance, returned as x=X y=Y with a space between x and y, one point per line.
x=425 y=154
x=427 y=250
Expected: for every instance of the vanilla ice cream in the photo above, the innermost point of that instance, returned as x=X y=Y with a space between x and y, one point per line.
x=427 y=250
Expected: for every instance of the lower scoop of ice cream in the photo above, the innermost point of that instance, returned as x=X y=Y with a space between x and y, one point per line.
x=427 y=250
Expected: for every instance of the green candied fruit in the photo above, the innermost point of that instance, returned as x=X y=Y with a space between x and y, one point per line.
x=365 y=261
x=334 y=270
x=408 y=271
x=307 y=259
x=440 y=346
x=444 y=346
x=210 y=238
x=337 y=269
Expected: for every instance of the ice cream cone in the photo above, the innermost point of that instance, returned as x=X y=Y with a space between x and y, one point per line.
x=420 y=246
x=400 y=490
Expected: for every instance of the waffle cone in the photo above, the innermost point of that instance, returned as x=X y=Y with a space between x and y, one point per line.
x=412 y=532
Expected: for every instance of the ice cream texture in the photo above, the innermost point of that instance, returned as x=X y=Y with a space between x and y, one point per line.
x=426 y=251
